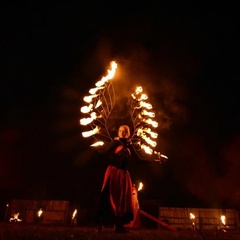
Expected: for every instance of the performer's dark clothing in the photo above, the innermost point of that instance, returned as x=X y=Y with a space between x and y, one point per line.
x=116 y=193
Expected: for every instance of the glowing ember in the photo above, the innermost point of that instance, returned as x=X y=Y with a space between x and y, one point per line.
x=15 y=218
x=110 y=75
x=74 y=214
x=140 y=187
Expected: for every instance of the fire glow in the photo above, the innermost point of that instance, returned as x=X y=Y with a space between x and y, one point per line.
x=223 y=220
x=40 y=212
x=96 y=102
x=74 y=214
x=101 y=102
x=140 y=187
x=15 y=218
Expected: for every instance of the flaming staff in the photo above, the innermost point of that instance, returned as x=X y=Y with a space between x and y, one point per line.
x=100 y=104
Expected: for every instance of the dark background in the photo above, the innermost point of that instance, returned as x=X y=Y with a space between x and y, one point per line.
x=184 y=55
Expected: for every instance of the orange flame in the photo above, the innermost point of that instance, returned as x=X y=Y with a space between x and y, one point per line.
x=223 y=219
x=74 y=214
x=147 y=149
x=140 y=187
x=40 y=211
x=91 y=132
x=96 y=144
x=110 y=75
x=192 y=216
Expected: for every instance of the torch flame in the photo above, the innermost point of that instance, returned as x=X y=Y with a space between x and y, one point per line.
x=96 y=144
x=88 y=99
x=85 y=121
x=40 y=211
x=15 y=218
x=223 y=219
x=91 y=132
x=150 y=121
x=192 y=216
x=140 y=187
x=146 y=105
x=86 y=109
x=147 y=149
x=99 y=103
x=138 y=90
x=146 y=113
x=94 y=90
x=110 y=75
x=74 y=214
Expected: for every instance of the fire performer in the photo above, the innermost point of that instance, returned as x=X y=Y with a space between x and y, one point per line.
x=116 y=203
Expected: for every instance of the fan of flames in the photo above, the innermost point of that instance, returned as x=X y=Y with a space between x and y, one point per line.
x=100 y=104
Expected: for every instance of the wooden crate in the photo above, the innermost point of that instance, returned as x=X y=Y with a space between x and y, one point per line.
x=207 y=219
x=54 y=211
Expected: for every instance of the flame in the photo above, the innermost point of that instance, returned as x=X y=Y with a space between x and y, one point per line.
x=88 y=99
x=40 y=211
x=15 y=218
x=192 y=216
x=94 y=90
x=151 y=122
x=223 y=219
x=86 y=121
x=147 y=149
x=137 y=95
x=140 y=187
x=86 y=109
x=138 y=90
x=146 y=113
x=148 y=140
x=110 y=75
x=96 y=144
x=91 y=132
x=74 y=214
x=146 y=105
x=147 y=130
x=99 y=103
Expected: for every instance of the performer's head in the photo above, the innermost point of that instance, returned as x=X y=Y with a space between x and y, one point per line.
x=124 y=131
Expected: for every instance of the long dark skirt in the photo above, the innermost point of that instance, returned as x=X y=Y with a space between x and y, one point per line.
x=116 y=197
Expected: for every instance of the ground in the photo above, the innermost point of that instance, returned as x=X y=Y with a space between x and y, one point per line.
x=14 y=231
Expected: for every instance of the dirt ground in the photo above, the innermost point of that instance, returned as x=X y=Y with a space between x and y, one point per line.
x=15 y=231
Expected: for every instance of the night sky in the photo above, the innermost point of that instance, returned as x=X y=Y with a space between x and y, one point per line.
x=186 y=56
